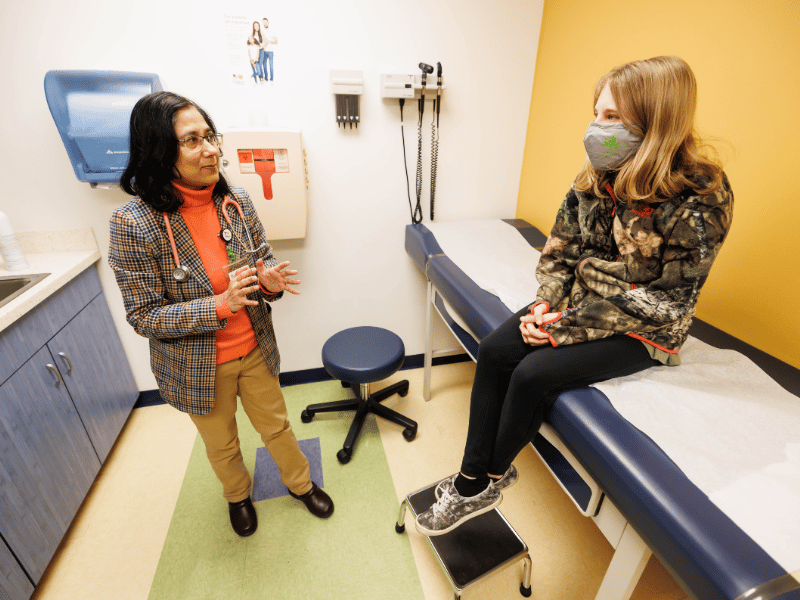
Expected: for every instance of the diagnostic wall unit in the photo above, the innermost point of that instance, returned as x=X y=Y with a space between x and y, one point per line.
x=270 y=165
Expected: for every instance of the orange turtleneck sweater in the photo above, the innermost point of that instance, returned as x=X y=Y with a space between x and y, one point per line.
x=200 y=214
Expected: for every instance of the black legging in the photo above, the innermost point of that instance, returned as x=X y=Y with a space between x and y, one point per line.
x=515 y=384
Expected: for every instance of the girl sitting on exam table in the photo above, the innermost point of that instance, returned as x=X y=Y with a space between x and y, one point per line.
x=633 y=243
x=211 y=335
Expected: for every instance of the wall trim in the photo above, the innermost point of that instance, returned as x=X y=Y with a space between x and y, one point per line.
x=415 y=361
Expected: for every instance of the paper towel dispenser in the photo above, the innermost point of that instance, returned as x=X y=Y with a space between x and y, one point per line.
x=270 y=164
x=92 y=111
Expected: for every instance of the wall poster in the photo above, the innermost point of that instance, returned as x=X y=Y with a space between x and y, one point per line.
x=252 y=46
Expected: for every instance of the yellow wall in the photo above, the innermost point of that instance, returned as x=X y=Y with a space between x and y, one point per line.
x=746 y=57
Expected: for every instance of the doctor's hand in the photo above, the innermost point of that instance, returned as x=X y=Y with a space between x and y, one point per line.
x=275 y=279
x=243 y=282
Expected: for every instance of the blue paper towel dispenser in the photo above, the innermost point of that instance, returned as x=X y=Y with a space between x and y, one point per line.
x=92 y=111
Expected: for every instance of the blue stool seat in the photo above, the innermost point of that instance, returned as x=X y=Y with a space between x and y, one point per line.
x=363 y=355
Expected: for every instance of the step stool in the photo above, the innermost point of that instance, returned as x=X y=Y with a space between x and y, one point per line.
x=474 y=549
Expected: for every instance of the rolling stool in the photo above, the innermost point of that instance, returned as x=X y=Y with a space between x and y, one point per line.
x=363 y=355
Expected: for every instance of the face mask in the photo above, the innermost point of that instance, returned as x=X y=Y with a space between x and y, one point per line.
x=608 y=146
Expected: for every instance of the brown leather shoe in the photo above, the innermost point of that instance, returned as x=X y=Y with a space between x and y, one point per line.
x=243 y=517
x=317 y=502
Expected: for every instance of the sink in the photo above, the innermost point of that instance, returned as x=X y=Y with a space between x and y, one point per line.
x=12 y=286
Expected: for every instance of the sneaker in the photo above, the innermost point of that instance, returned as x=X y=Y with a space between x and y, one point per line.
x=452 y=509
x=508 y=479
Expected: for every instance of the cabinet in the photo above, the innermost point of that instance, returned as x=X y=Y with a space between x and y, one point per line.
x=13 y=582
x=62 y=406
x=95 y=370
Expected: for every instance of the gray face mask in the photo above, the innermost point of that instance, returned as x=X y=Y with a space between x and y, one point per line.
x=608 y=146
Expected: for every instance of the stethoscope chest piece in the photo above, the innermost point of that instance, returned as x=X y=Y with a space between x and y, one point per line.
x=226 y=235
x=180 y=273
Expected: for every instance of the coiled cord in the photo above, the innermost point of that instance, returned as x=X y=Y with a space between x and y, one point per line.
x=419 y=167
x=416 y=214
x=434 y=155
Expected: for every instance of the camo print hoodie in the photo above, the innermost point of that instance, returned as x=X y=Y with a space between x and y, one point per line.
x=611 y=268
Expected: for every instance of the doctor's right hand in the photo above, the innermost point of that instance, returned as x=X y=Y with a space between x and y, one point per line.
x=243 y=282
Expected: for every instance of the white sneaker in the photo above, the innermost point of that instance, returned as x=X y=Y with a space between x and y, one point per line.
x=508 y=479
x=452 y=509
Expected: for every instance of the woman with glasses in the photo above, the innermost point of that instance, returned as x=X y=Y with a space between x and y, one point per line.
x=211 y=335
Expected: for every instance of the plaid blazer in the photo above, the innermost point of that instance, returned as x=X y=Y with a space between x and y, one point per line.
x=180 y=319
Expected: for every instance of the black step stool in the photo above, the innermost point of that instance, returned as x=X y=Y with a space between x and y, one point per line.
x=475 y=548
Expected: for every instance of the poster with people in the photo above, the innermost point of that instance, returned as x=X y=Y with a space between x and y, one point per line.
x=251 y=44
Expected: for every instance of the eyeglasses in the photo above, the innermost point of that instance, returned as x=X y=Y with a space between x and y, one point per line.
x=194 y=142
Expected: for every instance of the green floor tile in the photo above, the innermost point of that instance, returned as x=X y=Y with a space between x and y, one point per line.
x=356 y=554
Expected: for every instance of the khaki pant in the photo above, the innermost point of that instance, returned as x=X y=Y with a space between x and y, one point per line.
x=263 y=402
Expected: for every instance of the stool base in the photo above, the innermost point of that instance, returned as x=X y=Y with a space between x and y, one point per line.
x=364 y=403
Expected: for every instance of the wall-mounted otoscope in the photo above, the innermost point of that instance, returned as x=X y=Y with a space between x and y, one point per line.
x=435 y=135
x=403 y=86
x=425 y=70
x=438 y=90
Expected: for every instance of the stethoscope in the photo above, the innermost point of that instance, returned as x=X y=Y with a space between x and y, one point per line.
x=181 y=273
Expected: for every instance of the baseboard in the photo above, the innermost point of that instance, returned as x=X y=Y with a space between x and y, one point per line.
x=415 y=361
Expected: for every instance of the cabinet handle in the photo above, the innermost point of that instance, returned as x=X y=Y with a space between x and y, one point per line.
x=55 y=373
x=67 y=361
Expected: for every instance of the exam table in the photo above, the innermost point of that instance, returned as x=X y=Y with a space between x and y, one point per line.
x=614 y=473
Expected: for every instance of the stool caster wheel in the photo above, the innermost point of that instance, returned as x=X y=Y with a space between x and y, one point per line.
x=409 y=434
x=403 y=391
x=525 y=591
x=400 y=528
x=306 y=417
x=343 y=456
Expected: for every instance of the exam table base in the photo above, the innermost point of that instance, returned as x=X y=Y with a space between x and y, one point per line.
x=473 y=550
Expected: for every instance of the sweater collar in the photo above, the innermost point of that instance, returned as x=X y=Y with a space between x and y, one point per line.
x=195 y=198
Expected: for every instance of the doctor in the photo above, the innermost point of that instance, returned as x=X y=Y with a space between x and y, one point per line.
x=211 y=335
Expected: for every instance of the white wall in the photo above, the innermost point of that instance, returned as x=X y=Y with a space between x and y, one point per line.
x=352 y=262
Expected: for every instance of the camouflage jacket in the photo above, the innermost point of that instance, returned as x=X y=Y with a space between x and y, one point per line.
x=611 y=268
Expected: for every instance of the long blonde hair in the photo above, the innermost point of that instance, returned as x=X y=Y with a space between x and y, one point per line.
x=656 y=99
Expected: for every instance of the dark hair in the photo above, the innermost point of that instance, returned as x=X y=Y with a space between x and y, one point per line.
x=260 y=39
x=154 y=151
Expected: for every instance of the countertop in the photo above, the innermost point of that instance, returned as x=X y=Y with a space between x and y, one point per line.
x=63 y=253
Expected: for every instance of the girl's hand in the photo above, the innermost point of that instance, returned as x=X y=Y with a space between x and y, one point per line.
x=243 y=282
x=530 y=332
x=275 y=279
x=530 y=323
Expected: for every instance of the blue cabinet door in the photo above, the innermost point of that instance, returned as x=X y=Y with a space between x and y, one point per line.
x=14 y=585
x=92 y=361
x=47 y=463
